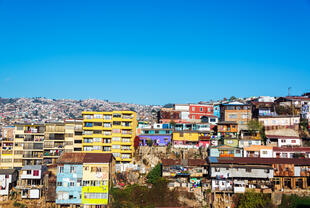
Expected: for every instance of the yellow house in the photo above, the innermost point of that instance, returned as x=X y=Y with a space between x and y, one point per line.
x=110 y=132
x=185 y=137
x=90 y=176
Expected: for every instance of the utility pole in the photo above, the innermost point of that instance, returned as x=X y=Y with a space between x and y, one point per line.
x=289 y=91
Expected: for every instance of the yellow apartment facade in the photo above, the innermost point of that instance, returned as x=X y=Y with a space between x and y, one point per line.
x=110 y=132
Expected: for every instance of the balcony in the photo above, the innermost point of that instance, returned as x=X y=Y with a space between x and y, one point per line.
x=52 y=154
x=7 y=152
x=33 y=155
x=7 y=139
x=127 y=116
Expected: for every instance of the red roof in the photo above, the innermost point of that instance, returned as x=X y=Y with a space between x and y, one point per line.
x=78 y=158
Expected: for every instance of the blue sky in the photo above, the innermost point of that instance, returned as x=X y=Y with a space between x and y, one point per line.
x=155 y=51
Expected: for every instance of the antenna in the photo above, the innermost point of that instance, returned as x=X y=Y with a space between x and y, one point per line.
x=289 y=90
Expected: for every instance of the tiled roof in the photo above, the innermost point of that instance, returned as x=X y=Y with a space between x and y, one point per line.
x=78 y=158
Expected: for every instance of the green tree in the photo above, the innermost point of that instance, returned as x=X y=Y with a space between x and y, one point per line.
x=232 y=98
x=254 y=126
x=253 y=200
x=154 y=174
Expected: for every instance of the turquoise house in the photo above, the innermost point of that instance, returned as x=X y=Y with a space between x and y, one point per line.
x=69 y=184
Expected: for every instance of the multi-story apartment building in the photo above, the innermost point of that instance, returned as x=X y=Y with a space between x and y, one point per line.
x=54 y=142
x=62 y=137
x=84 y=179
x=73 y=135
x=7 y=147
x=110 y=132
x=33 y=143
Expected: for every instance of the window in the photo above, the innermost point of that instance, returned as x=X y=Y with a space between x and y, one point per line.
x=293 y=141
x=116 y=146
x=97 y=132
x=79 y=182
x=98 y=116
x=88 y=140
x=71 y=183
x=116 y=139
x=193 y=108
x=267 y=171
x=96 y=147
x=248 y=170
x=70 y=196
x=97 y=139
x=61 y=169
x=36 y=173
x=28 y=172
x=88 y=148
x=283 y=140
x=116 y=154
x=201 y=109
x=97 y=124
x=59 y=183
x=85 y=183
x=116 y=123
x=264 y=152
x=125 y=140
x=95 y=195
x=88 y=124
x=244 y=116
x=93 y=183
x=232 y=116
x=72 y=169
x=230 y=141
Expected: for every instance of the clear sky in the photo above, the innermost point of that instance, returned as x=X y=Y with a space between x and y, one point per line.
x=154 y=51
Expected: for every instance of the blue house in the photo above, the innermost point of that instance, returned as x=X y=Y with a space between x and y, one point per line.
x=216 y=110
x=69 y=183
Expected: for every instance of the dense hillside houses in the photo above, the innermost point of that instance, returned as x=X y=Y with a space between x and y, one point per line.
x=221 y=148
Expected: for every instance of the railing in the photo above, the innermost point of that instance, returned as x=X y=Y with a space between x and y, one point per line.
x=7 y=139
x=7 y=152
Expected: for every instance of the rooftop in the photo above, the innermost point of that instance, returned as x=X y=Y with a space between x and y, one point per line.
x=78 y=158
x=261 y=161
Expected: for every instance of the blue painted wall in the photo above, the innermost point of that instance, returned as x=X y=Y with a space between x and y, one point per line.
x=66 y=177
x=216 y=110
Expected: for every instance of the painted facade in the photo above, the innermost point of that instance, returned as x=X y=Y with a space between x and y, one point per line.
x=196 y=111
x=69 y=184
x=110 y=132
x=84 y=179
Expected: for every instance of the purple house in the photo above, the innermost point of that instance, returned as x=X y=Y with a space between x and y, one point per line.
x=159 y=137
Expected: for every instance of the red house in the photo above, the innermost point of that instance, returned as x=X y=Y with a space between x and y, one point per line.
x=196 y=111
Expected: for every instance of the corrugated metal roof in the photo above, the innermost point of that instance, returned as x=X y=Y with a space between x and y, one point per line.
x=32 y=167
